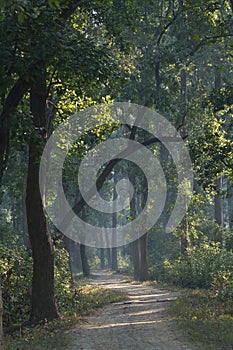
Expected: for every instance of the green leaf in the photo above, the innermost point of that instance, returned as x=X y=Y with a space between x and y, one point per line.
x=53 y=3
x=21 y=17
x=196 y=37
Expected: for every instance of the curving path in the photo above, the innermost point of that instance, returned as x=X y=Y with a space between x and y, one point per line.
x=140 y=323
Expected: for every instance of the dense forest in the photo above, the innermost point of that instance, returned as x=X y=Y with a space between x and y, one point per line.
x=61 y=57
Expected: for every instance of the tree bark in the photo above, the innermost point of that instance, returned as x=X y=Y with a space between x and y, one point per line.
x=218 y=208
x=143 y=273
x=135 y=256
x=76 y=257
x=26 y=238
x=114 y=225
x=143 y=258
x=109 y=260
x=102 y=259
x=67 y=243
x=1 y=314
x=9 y=106
x=218 y=202
x=135 y=244
x=85 y=264
x=102 y=254
x=230 y=205
x=184 y=238
x=143 y=252
x=108 y=251
x=114 y=259
x=184 y=241
x=43 y=306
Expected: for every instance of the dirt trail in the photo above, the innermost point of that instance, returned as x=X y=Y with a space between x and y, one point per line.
x=140 y=323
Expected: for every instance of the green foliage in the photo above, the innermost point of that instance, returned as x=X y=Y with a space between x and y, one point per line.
x=88 y=297
x=74 y=300
x=134 y=51
x=16 y=275
x=207 y=266
x=206 y=320
x=229 y=240
x=83 y=299
x=63 y=282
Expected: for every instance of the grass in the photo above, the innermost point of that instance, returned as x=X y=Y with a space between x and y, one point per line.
x=204 y=318
x=153 y=283
x=54 y=335
x=207 y=320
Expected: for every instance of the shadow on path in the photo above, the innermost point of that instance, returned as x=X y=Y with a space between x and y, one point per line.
x=140 y=323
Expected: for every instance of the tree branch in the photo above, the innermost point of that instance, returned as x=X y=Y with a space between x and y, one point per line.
x=165 y=28
x=10 y=104
x=16 y=94
x=231 y=4
x=70 y=9
x=77 y=208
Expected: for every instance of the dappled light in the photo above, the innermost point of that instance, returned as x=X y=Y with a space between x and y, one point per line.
x=116 y=174
x=123 y=324
x=126 y=323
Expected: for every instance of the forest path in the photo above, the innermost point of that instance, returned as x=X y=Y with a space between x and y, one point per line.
x=140 y=323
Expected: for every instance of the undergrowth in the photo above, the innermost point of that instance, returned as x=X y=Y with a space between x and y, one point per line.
x=55 y=335
x=206 y=319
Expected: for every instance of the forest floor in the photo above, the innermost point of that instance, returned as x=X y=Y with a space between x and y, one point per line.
x=140 y=323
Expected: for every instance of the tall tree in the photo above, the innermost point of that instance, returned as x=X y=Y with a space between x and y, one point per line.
x=218 y=201
x=43 y=301
x=114 y=225
x=84 y=259
x=36 y=46
x=1 y=313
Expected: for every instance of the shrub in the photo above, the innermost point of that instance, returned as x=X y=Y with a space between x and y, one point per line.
x=16 y=276
x=207 y=266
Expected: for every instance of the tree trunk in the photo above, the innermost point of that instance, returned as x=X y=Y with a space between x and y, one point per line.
x=102 y=259
x=67 y=243
x=143 y=252
x=109 y=260
x=26 y=238
x=135 y=244
x=84 y=259
x=9 y=106
x=218 y=208
x=184 y=238
x=85 y=264
x=230 y=206
x=114 y=259
x=135 y=256
x=143 y=259
x=1 y=312
x=43 y=306
x=114 y=225
x=218 y=201
x=102 y=254
x=76 y=258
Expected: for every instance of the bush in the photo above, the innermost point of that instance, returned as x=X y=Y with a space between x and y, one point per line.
x=16 y=276
x=16 y=273
x=64 y=292
x=207 y=266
